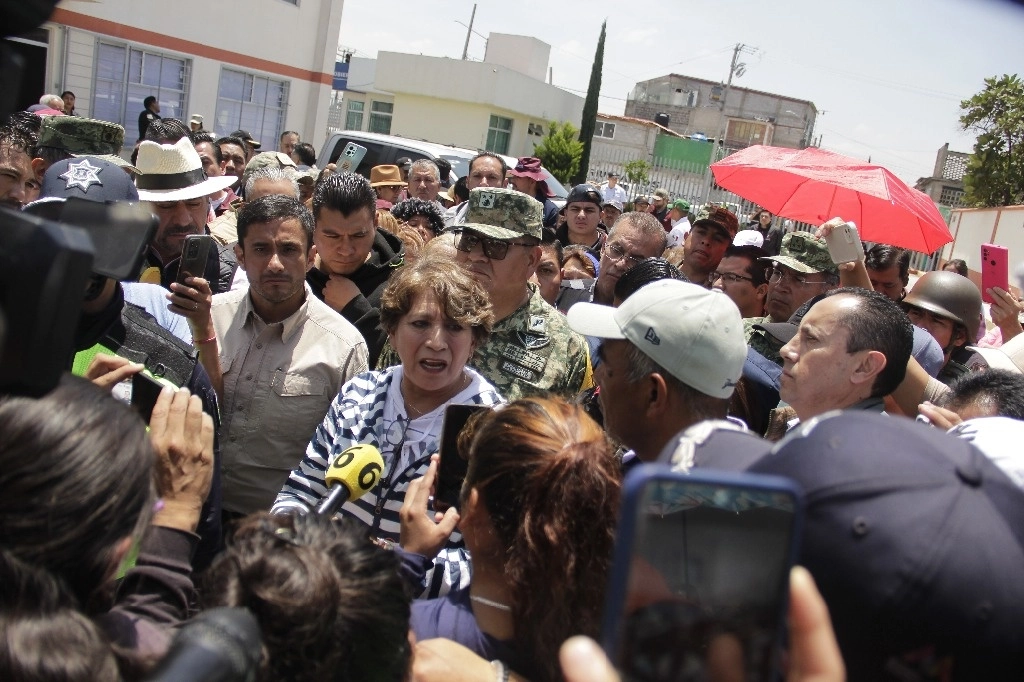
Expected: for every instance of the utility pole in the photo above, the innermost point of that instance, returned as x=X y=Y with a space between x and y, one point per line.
x=469 y=31
x=735 y=68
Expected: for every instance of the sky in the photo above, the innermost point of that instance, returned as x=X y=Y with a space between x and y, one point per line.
x=887 y=76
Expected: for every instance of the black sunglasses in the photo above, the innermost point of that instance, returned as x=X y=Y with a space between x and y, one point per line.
x=495 y=249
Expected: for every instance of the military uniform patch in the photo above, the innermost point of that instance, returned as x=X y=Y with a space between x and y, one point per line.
x=531 y=341
x=537 y=323
x=516 y=370
x=487 y=200
x=523 y=357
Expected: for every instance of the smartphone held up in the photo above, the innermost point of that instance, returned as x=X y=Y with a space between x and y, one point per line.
x=699 y=583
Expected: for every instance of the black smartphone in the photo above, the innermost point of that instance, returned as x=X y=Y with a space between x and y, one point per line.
x=145 y=391
x=194 y=253
x=700 y=580
x=452 y=468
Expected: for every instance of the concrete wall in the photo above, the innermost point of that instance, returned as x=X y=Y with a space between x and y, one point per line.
x=479 y=83
x=972 y=227
x=462 y=124
x=227 y=32
x=524 y=54
x=659 y=96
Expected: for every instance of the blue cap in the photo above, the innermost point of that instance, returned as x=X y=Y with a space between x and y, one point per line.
x=916 y=541
x=90 y=178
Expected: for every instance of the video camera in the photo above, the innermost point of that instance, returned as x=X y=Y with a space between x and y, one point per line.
x=48 y=255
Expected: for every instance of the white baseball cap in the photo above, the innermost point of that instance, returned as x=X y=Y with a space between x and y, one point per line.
x=694 y=333
x=1009 y=356
x=748 y=238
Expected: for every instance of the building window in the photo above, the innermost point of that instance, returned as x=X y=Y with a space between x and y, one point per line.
x=499 y=134
x=746 y=133
x=604 y=129
x=354 y=116
x=951 y=196
x=125 y=76
x=252 y=103
x=380 y=117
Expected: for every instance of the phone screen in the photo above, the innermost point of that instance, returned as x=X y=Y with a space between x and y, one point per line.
x=700 y=584
x=452 y=468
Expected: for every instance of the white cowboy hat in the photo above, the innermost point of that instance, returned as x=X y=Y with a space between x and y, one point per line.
x=174 y=172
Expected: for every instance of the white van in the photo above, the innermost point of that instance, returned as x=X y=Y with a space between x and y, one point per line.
x=386 y=149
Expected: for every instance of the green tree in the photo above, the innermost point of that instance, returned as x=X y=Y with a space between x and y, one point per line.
x=995 y=173
x=637 y=173
x=589 y=120
x=560 y=151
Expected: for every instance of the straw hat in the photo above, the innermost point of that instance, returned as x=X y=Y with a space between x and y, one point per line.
x=173 y=172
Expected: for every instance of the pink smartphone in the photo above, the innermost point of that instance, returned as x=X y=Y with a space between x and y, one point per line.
x=995 y=269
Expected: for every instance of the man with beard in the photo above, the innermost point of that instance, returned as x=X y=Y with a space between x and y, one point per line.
x=176 y=186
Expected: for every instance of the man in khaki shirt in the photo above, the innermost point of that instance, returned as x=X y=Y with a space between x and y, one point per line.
x=284 y=354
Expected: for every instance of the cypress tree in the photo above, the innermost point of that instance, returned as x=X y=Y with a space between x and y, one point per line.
x=589 y=121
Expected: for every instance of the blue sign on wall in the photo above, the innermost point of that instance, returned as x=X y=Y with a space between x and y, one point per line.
x=340 y=76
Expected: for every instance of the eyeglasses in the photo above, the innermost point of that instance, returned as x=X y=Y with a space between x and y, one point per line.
x=777 y=274
x=394 y=434
x=615 y=254
x=495 y=249
x=730 y=277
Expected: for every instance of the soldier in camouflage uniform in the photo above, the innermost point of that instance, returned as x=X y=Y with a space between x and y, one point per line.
x=802 y=270
x=948 y=306
x=531 y=350
x=64 y=137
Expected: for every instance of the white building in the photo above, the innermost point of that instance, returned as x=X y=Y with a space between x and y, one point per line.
x=502 y=104
x=265 y=66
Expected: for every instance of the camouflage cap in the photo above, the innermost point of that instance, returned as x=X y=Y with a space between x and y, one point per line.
x=85 y=137
x=504 y=213
x=803 y=252
x=718 y=217
x=270 y=160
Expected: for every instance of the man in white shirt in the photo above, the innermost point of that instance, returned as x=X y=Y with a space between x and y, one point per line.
x=679 y=215
x=610 y=191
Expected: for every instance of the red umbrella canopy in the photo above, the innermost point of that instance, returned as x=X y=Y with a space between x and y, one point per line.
x=812 y=185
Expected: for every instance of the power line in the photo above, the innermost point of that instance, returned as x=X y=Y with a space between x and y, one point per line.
x=873 y=80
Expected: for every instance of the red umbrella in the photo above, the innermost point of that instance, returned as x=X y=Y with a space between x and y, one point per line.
x=811 y=185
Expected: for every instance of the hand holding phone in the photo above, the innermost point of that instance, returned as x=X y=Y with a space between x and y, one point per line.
x=844 y=245
x=452 y=469
x=351 y=156
x=700 y=575
x=995 y=269
x=194 y=254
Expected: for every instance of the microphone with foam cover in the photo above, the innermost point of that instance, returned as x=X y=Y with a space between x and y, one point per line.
x=351 y=475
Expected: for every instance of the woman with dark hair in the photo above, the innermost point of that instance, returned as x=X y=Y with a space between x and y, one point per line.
x=435 y=314
x=957 y=265
x=538 y=513
x=77 y=471
x=37 y=618
x=426 y=216
x=330 y=604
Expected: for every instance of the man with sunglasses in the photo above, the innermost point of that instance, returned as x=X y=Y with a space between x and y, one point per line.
x=802 y=270
x=531 y=350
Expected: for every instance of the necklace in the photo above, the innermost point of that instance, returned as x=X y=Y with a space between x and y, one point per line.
x=488 y=602
x=416 y=413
